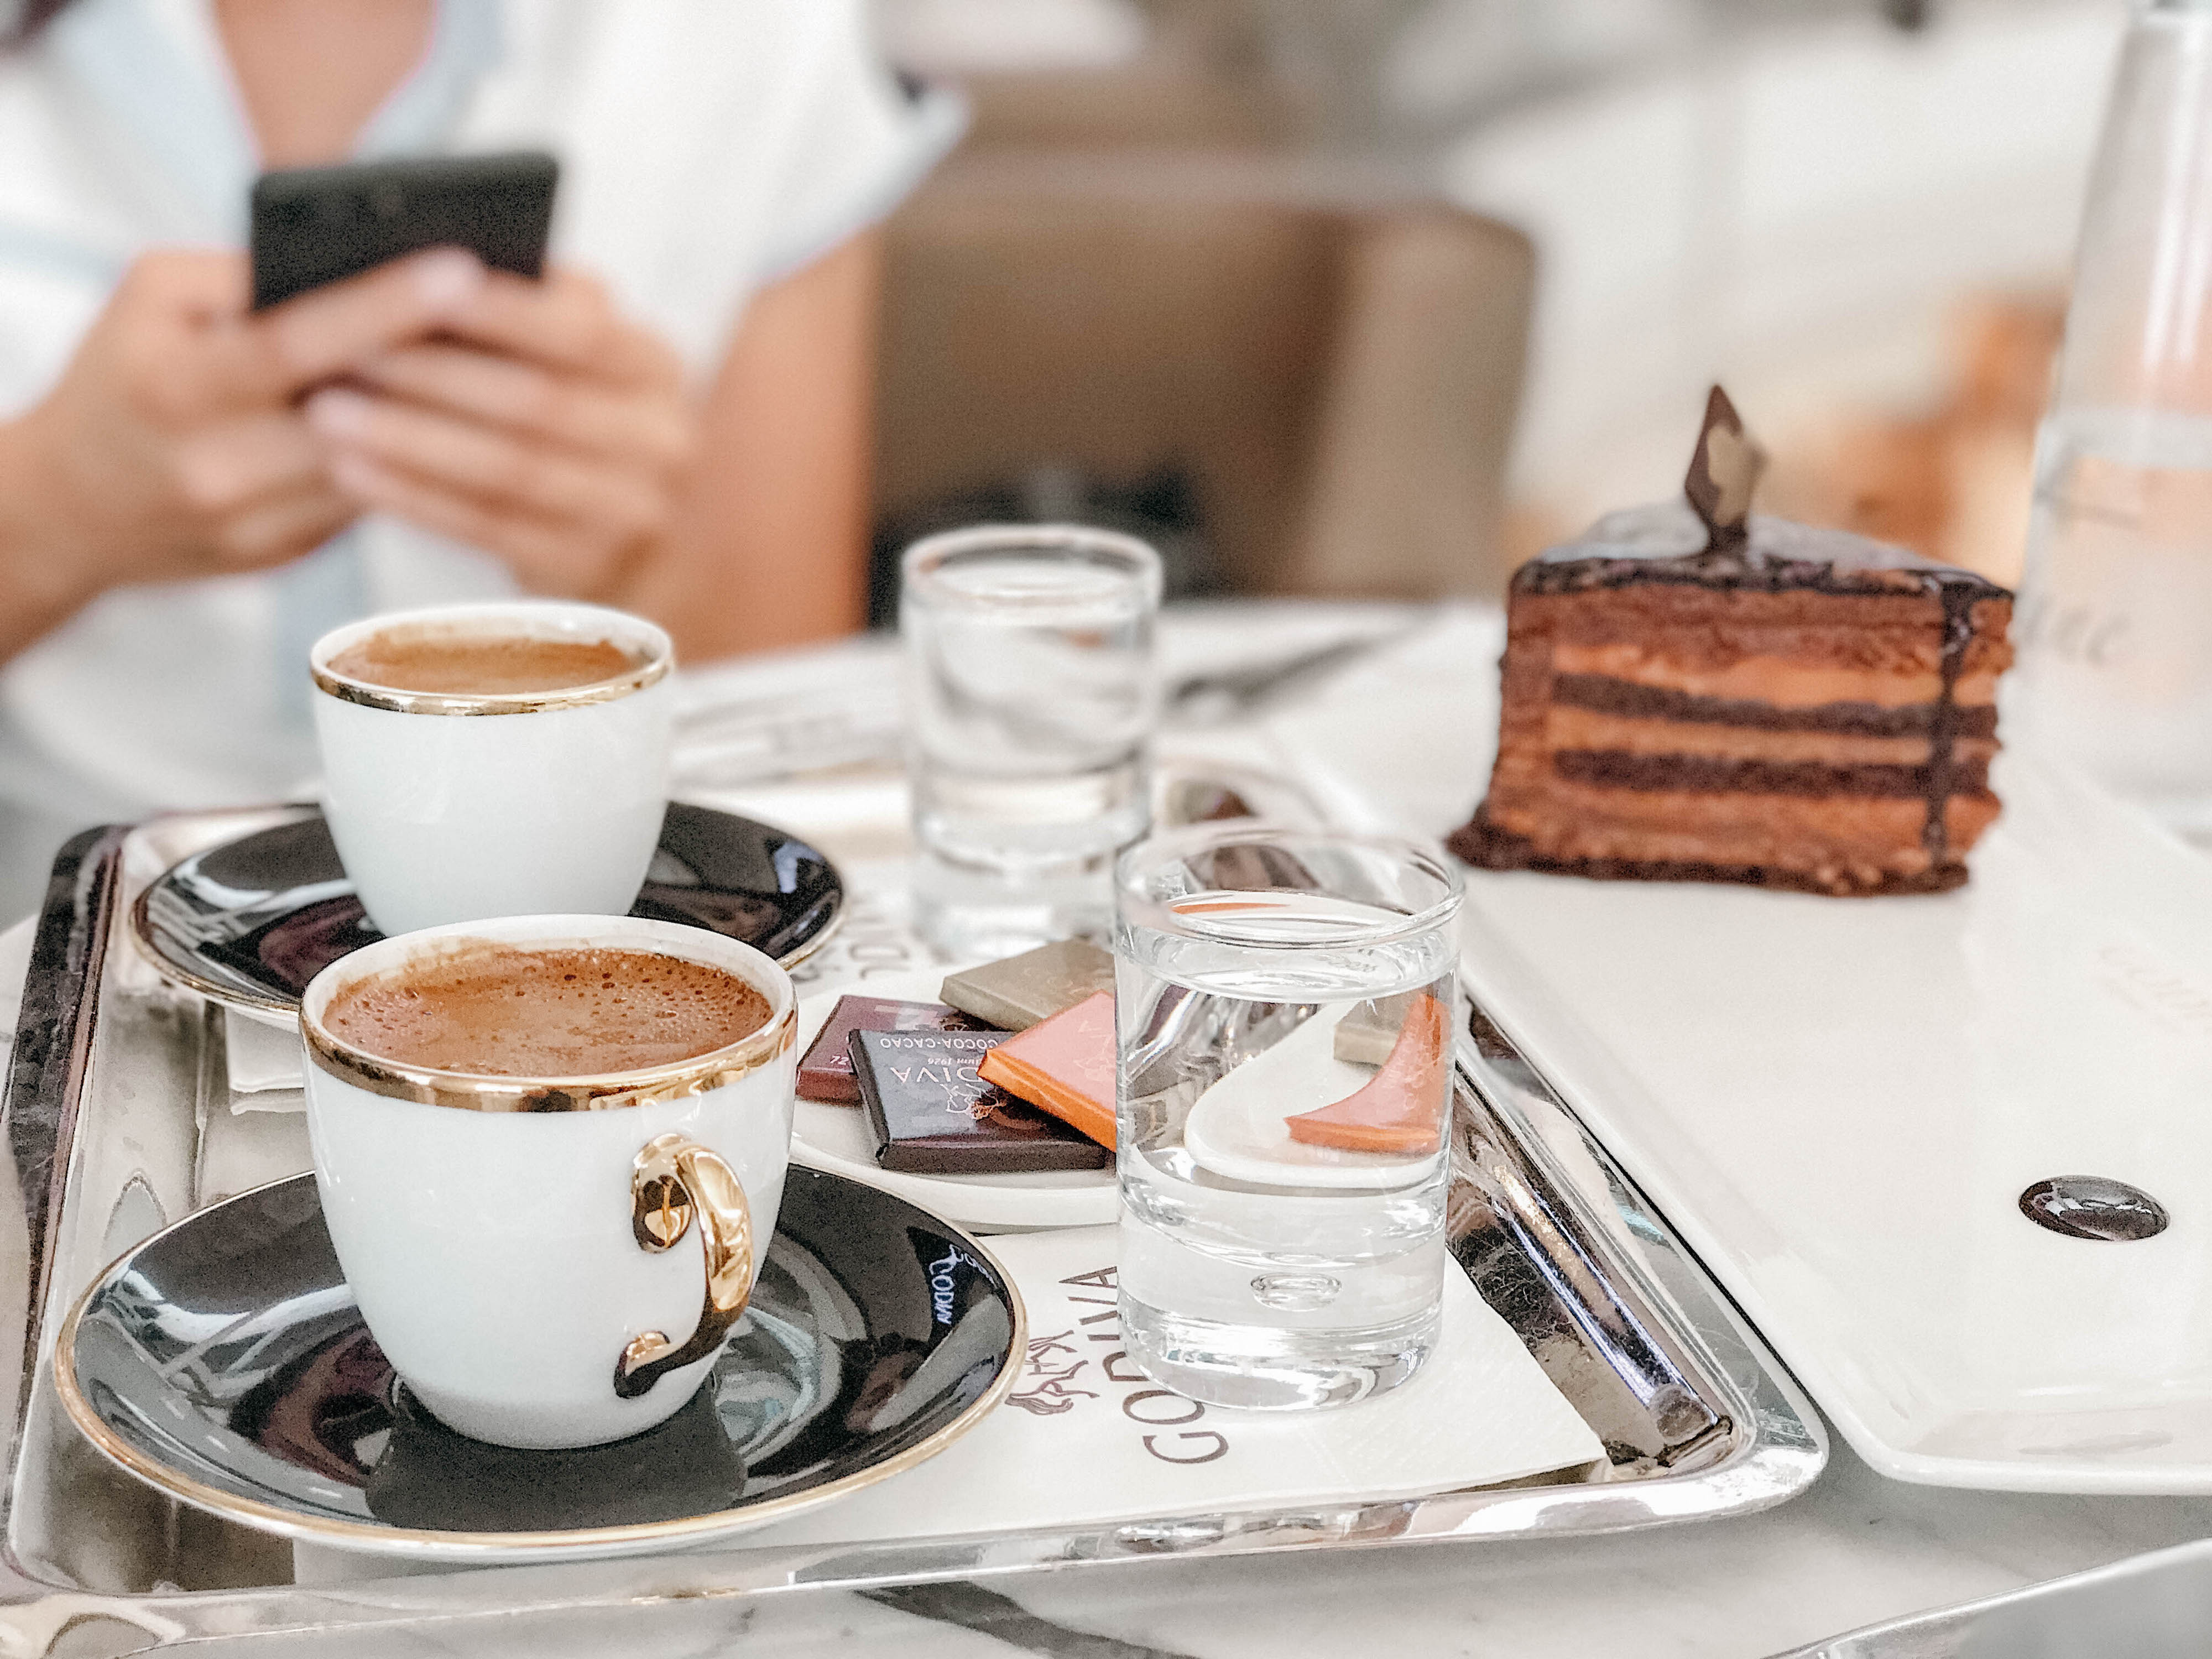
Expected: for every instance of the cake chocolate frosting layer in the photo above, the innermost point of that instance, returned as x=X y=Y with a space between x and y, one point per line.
x=1666 y=543
x=1607 y=695
x=1705 y=775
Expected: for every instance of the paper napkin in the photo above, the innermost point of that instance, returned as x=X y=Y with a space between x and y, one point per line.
x=263 y=1062
x=1087 y=1439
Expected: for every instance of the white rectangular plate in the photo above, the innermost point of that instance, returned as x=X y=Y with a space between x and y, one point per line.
x=1839 y=1103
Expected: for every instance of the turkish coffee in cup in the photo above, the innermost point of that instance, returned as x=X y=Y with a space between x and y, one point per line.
x=476 y=659
x=493 y=760
x=546 y=1011
x=550 y=1152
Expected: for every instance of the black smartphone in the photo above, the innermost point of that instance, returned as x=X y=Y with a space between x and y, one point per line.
x=316 y=225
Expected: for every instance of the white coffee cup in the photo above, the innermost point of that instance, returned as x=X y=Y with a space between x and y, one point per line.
x=453 y=807
x=552 y=1262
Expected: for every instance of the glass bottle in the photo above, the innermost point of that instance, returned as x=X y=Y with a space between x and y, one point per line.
x=2115 y=630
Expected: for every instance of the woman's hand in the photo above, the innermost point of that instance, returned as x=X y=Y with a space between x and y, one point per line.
x=540 y=426
x=172 y=446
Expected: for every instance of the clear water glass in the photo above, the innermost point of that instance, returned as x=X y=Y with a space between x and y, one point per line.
x=1287 y=1004
x=1032 y=694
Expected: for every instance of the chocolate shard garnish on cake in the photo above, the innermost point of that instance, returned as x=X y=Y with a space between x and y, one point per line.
x=1700 y=693
x=825 y=1071
x=1015 y=992
x=930 y=1113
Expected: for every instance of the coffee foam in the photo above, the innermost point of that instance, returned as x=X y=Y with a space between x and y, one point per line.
x=479 y=660
x=562 y=1011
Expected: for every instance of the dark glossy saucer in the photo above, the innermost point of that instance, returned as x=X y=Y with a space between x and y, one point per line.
x=223 y=1362
x=250 y=922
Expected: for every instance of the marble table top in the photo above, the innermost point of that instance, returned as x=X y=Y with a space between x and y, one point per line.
x=1857 y=1548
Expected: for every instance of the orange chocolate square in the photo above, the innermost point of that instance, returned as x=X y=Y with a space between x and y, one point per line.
x=1064 y=1065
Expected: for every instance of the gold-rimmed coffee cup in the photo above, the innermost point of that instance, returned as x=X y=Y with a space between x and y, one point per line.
x=522 y=1248
x=452 y=803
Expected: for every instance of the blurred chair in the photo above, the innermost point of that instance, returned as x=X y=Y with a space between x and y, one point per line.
x=1334 y=369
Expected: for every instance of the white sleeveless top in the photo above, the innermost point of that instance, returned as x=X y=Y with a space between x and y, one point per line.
x=707 y=146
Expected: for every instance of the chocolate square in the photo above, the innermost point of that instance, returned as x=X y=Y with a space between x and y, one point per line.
x=826 y=1071
x=1019 y=992
x=930 y=1114
x=1368 y=1031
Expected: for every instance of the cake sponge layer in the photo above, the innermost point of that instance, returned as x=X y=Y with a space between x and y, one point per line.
x=1482 y=842
x=1836 y=844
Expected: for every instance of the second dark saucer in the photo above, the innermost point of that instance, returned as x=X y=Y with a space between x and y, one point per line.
x=249 y=922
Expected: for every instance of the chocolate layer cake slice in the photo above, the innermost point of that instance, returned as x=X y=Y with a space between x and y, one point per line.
x=1712 y=695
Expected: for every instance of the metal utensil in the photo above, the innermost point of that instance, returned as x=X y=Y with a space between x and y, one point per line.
x=1219 y=695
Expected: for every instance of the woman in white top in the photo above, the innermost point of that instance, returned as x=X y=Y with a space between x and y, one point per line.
x=676 y=420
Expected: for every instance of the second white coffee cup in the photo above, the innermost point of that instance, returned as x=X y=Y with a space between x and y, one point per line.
x=457 y=805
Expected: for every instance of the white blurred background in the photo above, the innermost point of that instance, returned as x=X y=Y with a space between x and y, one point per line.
x=1859 y=217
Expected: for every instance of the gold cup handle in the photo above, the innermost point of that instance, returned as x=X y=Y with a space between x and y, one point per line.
x=673 y=1178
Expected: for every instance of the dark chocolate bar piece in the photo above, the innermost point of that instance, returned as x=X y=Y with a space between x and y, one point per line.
x=826 y=1071
x=929 y=1113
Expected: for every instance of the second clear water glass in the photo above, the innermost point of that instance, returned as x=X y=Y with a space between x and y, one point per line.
x=1287 y=1008
x=1032 y=694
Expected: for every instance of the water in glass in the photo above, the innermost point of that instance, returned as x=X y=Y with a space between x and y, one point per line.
x=2115 y=630
x=1259 y=1269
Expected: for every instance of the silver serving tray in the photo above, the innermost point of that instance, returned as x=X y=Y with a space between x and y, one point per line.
x=117 y=1119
